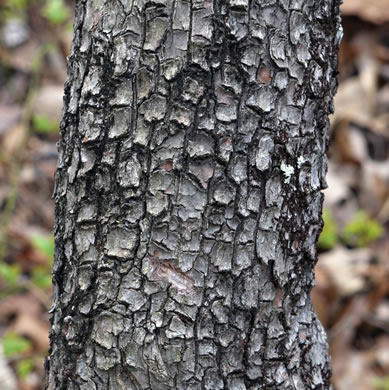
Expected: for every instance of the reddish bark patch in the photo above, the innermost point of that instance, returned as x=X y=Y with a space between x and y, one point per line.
x=168 y=165
x=277 y=301
x=264 y=75
x=226 y=142
x=163 y=270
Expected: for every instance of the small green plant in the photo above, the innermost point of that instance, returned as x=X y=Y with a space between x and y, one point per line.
x=19 y=4
x=15 y=345
x=41 y=277
x=24 y=368
x=381 y=383
x=10 y=273
x=43 y=124
x=329 y=236
x=14 y=7
x=361 y=230
x=45 y=244
x=56 y=11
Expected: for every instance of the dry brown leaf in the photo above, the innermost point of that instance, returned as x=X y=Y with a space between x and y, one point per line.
x=323 y=295
x=380 y=316
x=48 y=102
x=351 y=315
x=35 y=329
x=356 y=97
x=382 y=353
x=338 y=191
x=351 y=145
x=375 y=11
x=27 y=385
x=22 y=57
x=350 y=102
x=12 y=142
x=347 y=268
x=15 y=304
x=22 y=250
x=351 y=370
x=9 y=115
x=374 y=186
x=338 y=197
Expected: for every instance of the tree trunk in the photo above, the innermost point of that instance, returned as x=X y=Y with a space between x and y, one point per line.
x=188 y=195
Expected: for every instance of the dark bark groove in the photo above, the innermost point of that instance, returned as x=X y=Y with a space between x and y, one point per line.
x=188 y=195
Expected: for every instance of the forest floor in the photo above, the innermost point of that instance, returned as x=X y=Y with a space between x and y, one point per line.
x=352 y=292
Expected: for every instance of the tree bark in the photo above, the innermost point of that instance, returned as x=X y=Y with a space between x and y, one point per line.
x=188 y=195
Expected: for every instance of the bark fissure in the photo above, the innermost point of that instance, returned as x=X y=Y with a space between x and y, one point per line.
x=188 y=195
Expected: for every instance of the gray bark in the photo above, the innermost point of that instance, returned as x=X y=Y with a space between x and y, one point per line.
x=188 y=195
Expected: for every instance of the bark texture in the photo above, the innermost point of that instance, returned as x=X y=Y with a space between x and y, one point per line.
x=188 y=195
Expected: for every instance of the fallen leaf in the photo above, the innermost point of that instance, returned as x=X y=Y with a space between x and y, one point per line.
x=347 y=268
x=35 y=329
x=375 y=11
x=10 y=115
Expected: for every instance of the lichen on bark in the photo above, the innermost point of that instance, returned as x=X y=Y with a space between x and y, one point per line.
x=188 y=195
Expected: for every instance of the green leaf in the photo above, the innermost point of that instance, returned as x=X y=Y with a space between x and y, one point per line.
x=25 y=367
x=10 y=273
x=41 y=277
x=14 y=345
x=16 y=5
x=361 y=230
x=56 y=11
x=381 y=383
x=45 y=244
x=43 y=124
x=328 y=237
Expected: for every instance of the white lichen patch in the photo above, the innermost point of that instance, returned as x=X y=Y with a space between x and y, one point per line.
x=288 y=171
x=239 y=3
x=300 y=161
